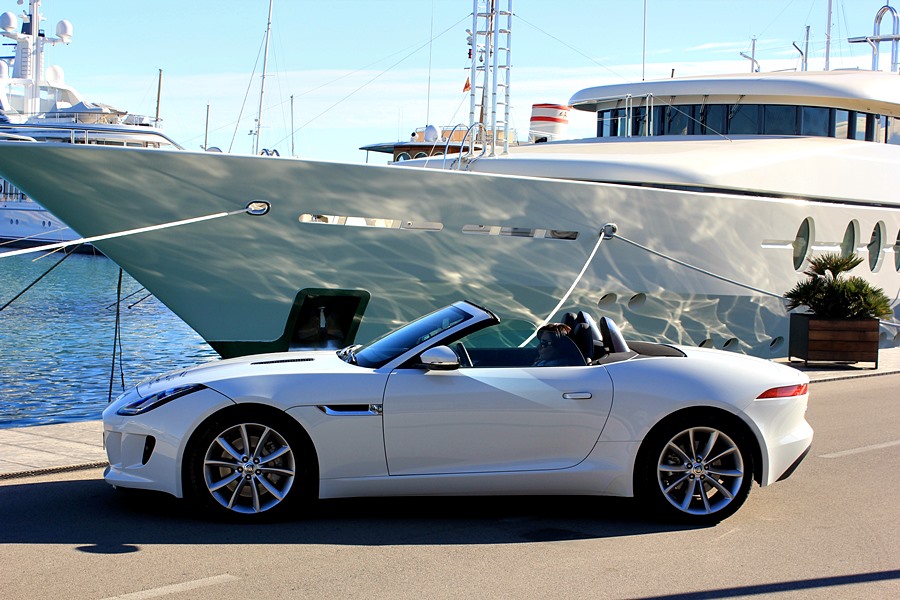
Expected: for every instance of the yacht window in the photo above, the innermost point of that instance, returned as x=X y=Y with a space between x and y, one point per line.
x=617 y=125
x=639 y=121
x=802 y=243
x=744 y=119
x=712 y=118
x=603 y=123
x=848 y=244
x=403 y=156
x=893 y=131
x=897 y=252
x=841 y=124
x=874 y=246
x=814 y=121
x=780 y=120
x=858 y=121
x=678 y=120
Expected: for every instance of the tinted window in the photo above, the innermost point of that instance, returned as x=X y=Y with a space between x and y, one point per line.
x=713 y=119
x=744 y=119
x=814 y=121
x=781 y=120
x=841 y=124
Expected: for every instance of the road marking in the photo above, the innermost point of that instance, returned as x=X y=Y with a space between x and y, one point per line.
x=861 y=450
x=176 y=588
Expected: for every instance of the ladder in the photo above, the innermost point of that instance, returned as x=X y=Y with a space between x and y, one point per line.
x=489 y=47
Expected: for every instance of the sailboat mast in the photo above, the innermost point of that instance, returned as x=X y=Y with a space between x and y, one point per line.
x=262 y=87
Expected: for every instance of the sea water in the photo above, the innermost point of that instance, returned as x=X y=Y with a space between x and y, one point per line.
x=57 y=339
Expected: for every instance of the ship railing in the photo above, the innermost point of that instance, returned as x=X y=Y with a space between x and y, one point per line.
x=467 y=153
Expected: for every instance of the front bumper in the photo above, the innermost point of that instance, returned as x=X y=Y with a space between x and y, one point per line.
x=145 y=451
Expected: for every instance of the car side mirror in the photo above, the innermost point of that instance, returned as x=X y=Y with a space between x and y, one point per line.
x=440 y=358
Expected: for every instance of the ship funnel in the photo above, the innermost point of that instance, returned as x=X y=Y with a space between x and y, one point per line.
x=548 y=122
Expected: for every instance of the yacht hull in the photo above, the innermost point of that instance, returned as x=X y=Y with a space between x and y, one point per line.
x=413 y=239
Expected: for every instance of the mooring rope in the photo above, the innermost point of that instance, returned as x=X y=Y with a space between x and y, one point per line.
x=698 y=269
x=33 y=283
x=604 y=234
x=117 y=340
x=118 y=234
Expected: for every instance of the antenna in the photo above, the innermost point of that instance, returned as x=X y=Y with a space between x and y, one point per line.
x=262 y=86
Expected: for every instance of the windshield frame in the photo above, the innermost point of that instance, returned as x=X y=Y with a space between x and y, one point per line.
x=429 y=330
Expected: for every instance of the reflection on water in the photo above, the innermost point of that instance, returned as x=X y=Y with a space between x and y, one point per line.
x=56 y=341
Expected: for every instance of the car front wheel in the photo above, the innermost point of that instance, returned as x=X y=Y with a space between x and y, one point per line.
x=697 y=472
x=246 y=467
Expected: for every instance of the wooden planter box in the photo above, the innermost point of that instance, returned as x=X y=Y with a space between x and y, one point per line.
x=840 y=340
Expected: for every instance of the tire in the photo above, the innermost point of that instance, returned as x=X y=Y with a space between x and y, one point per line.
x=678 y=480
x=248 y=466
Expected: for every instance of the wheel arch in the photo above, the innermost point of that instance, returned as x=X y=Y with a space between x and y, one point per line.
x=252 y=411
x=745 y=430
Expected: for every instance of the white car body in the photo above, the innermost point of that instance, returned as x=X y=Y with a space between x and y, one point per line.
x=400 y=428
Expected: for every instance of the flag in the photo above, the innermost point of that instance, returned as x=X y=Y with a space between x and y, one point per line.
x=468 y=85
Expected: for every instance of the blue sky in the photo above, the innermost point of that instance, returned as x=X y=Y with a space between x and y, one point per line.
x=359 y=69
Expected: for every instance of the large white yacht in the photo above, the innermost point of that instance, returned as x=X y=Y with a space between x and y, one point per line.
x=685 y=218
x=37 y=104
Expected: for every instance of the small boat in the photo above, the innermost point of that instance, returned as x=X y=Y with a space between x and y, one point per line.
x=36 y=104
x=687 y=215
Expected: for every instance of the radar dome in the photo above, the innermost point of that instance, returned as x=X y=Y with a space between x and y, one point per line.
x=8 y=22
x=55 y=74
x=64 y=31
x=431 y=133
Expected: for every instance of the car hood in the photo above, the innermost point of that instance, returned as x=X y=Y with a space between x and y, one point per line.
x=281 y=363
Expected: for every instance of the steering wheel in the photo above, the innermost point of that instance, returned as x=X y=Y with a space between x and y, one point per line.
x=464 y=359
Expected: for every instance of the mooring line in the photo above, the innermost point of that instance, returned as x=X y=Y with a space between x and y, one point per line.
x=118 y=234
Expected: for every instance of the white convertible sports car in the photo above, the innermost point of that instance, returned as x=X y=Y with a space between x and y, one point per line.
x=453 y=404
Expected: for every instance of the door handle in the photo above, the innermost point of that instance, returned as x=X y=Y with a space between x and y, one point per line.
x=577 y=396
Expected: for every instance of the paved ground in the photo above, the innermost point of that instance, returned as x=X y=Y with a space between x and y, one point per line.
x=29 y=451
x=829 y=532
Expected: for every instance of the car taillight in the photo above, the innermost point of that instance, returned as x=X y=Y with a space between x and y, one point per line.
x=785 y=391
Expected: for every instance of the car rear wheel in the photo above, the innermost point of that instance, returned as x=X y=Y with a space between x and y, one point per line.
x=247 y=467
x=697 y=470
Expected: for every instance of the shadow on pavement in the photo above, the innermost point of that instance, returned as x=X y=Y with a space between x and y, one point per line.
x=98 y=519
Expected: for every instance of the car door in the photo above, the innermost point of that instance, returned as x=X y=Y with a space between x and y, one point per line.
x=478 y=420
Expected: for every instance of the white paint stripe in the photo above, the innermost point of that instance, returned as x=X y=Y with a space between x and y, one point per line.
x=176 y=588
x=861 y=450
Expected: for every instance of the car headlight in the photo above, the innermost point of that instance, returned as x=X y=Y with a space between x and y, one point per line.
x=142 y=405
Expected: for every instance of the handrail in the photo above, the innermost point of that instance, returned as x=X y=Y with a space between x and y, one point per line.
x=470 y=151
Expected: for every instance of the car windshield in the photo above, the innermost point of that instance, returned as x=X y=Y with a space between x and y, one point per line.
x=395 y=343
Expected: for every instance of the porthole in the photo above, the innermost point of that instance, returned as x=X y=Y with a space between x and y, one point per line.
x=802 y=243
x=851 y=234
x=637 y=301
x=875 y=246
x=403 y=156
x=776 y=344
x=897 y=252
x=607 y=300
x=420 y=155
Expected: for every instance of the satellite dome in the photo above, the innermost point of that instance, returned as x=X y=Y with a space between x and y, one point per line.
x=431 y=133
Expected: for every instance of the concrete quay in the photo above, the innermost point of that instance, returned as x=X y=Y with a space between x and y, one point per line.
x=45 y=449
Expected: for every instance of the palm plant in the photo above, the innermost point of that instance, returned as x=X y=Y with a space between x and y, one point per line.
x=829 y=292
